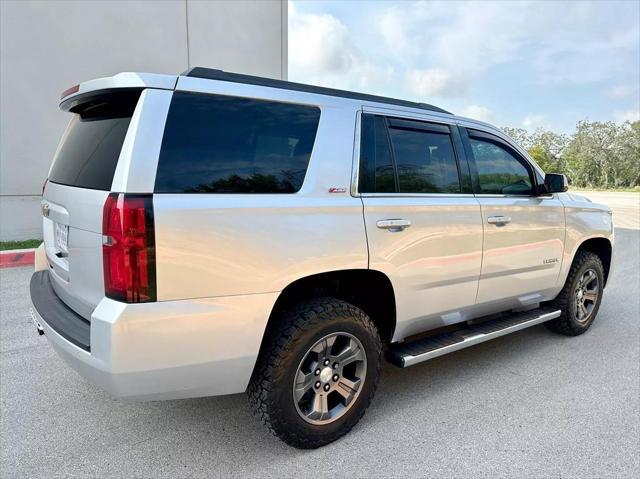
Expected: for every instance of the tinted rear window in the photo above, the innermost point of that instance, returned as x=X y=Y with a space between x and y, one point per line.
x=406 y=156
x=89 y=151
x=221 y=144
x=425 y=161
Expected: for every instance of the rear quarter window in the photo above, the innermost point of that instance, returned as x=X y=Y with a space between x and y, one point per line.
x=222 y=144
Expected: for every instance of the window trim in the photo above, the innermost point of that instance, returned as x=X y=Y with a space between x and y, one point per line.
x=469 y=133
x=392 y=152
x=416 y=124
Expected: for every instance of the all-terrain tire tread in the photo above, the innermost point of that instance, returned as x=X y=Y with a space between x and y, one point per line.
x=564 y=323
x=281 y=342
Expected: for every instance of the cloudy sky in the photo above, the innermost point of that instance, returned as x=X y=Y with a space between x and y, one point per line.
x=522 y=64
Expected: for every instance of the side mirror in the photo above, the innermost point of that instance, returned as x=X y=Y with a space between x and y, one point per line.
x=556 y=183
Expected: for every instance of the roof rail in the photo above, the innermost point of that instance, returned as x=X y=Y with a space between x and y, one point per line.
x=213 y=74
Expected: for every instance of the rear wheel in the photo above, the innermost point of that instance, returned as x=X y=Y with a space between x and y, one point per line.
x=580 y=298
x=318 y=373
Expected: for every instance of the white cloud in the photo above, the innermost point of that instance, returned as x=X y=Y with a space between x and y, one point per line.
x=441 y=52
x=477 y=112
x=320 y=44
x=457 y=42
x=434 y=81
x=564 y=42
x=391 y=26
x=322 y=51
x=531 y=122
x=621 y=91
x=626 y=115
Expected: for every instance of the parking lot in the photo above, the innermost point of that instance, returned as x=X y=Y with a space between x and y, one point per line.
x=530 y=404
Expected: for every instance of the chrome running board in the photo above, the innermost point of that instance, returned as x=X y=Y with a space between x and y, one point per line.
x=414 y=352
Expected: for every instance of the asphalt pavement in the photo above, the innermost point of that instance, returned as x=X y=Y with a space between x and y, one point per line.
x=530 y=404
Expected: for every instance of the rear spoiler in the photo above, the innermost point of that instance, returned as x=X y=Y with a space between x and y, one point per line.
x=126 y=81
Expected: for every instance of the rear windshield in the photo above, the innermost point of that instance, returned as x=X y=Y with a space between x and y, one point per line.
x=90 y=147
x=222 y=144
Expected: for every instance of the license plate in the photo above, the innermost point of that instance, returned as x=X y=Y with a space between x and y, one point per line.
x=61 y=238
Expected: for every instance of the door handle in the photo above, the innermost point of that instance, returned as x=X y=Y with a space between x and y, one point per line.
x=498 y=220
x=393 y=225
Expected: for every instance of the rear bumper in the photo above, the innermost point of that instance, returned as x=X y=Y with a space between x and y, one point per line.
x=62 y=319
x=161 y=350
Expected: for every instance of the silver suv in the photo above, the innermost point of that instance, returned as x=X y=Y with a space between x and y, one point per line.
x=212 y=233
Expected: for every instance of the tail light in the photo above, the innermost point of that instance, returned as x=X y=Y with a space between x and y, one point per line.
x=128 y=248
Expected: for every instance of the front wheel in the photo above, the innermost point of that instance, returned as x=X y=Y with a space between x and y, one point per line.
x=318 y=373
x=580 y=298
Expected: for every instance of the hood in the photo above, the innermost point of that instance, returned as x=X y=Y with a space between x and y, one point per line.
x=577 y=197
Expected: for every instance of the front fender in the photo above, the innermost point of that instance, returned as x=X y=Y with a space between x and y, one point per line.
x=585 y=221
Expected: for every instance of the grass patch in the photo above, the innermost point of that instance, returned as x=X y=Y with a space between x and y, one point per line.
x=22 y=244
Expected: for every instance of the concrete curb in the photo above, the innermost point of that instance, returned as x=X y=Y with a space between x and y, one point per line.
x=15 y=258
x=24 y=250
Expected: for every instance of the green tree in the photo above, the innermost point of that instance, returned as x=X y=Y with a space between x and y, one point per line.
x=629 y=154
x=597 y=155
x=604 y=154
x=546 y=148
x=519 y=135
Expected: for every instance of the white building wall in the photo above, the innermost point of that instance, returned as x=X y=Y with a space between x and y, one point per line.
x=48 y=46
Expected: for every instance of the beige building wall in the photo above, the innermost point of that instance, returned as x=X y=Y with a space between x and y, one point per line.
x=48 y=46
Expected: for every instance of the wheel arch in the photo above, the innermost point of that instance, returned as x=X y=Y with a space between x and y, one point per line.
x=601 y=247
x=369 y=290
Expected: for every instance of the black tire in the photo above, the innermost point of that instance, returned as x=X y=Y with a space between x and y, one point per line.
x=567 y=323
x=286 y=345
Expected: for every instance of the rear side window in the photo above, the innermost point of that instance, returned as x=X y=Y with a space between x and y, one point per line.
x=403 y=156
x=499 y=171
x=425 y=161
x=89 y=150
x=222 y=144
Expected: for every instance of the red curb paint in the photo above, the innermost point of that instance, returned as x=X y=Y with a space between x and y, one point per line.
x=12 y=260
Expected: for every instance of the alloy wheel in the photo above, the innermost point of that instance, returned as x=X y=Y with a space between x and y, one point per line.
x=329 y=378
x=586 y=294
